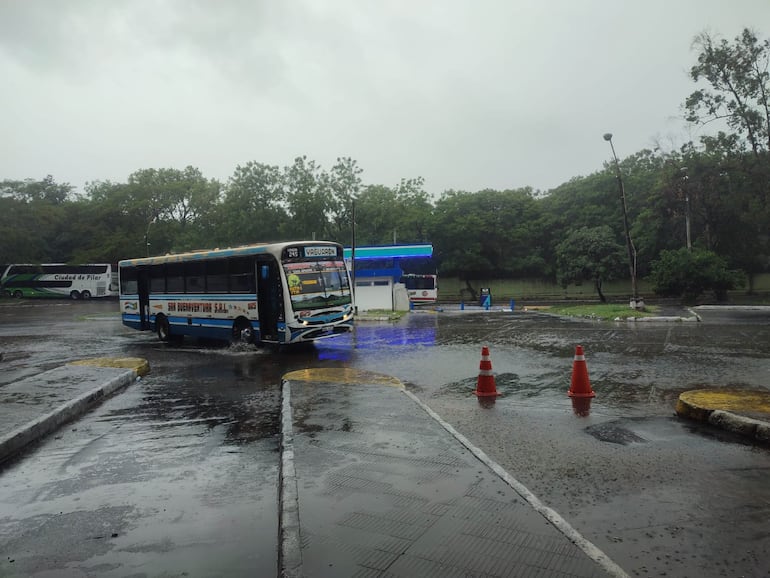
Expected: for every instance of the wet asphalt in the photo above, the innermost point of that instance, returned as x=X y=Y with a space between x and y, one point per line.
x=186 y=461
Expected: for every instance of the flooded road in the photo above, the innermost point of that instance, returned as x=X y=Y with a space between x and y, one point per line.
x=178 y=472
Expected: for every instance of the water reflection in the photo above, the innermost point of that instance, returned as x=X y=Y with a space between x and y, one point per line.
x=581 y=406
x=487 y=402
x=415 y=331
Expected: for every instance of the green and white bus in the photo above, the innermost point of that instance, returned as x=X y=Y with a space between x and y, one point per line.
x=57 y=280
x=276 y=293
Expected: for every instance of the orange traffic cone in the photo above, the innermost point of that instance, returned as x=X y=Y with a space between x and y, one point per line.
x=485 y=385
x=580 y=386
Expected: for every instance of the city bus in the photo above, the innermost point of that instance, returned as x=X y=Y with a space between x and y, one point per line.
x=279 y=293
x=422 y=289
x=58 y=280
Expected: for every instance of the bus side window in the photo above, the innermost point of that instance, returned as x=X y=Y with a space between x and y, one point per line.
x=216 y=276
x=157 y=279
x=242 y=276
x=175 y=278
x=194 y=277
x=128 y=283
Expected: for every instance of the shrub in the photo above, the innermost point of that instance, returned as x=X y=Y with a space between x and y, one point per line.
x=689 y=273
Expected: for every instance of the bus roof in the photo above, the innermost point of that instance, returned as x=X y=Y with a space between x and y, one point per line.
x=204 y=254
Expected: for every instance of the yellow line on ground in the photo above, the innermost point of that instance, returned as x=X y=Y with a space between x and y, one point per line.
x=344 y=375
x=139 y=365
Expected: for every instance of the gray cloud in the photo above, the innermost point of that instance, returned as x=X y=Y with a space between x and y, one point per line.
x=466 y=94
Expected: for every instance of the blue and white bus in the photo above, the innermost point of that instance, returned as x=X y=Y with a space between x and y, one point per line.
x=277 y=293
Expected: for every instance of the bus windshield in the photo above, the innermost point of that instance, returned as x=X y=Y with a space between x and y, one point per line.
x=317 y=284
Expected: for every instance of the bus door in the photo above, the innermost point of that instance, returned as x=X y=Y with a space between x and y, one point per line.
x=269 y=299
x=143 y=288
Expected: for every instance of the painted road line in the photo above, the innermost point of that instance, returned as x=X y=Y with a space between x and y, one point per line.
x=591 y=550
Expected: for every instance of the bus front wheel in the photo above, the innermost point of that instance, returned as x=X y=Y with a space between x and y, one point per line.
x=242 y=332
x=18 y=294
x=164 y=331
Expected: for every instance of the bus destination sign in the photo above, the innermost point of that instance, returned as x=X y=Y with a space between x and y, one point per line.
x=320 y=251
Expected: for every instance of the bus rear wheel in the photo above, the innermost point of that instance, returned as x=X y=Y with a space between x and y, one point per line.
x=242 y=332
x=85 y=294
x=18 y=294
x=74 y=295
x=163 y=328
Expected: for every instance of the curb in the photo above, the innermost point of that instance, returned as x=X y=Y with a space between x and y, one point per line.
x=290 y=540
x=36 y=429
x=662 y=318
x=702 y=405
x=139 y=365
x=289 y=536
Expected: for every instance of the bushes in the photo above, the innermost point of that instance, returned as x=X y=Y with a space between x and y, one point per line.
x=689 y=273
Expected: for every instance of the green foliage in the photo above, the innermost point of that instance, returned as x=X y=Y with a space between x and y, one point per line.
x=345 y=184
x=309 y=200
x=253 y=208
x=605 y=311
x=33 y=220
x=688 y=274
x=31 y=191
x=738 y=86
x=488 y=234
x=589 y=253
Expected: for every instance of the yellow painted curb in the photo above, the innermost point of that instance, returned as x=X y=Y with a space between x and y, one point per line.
x=139 y=365
x=344 y=375
x=700 y=403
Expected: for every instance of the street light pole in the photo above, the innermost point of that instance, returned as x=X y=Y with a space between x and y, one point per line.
x=636 y=302
x=147 y=237
x=353 y=253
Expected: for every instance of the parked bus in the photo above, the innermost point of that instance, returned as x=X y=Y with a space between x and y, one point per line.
x=422 y=289
x=273 y=293
x=57 y=280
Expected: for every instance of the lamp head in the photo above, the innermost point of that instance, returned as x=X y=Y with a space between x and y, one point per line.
x=607 y=136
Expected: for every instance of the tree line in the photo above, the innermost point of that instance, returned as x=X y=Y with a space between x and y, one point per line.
x=703 y=207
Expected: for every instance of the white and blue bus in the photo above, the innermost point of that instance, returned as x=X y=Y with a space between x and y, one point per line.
x=57 y=280
x=278 y=293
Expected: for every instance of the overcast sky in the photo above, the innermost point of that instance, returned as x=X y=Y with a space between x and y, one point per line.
x=468 y=94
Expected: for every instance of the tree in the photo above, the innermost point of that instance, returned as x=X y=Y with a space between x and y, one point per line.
x=29 y=190
x=309 y=199
x=414 y=210
x=739 y=83
x=688 y=274
x=377 y=214
x=590 y=253
x=344 y=182
x=489 y=234
x=33 y=220
x=254 y=206
x=737 y=93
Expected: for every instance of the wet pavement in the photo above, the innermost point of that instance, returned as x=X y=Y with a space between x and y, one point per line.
x=658 y=494
x=384 y=490
x=35 y=407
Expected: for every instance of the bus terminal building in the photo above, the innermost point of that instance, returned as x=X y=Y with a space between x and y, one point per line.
x=379 y=273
